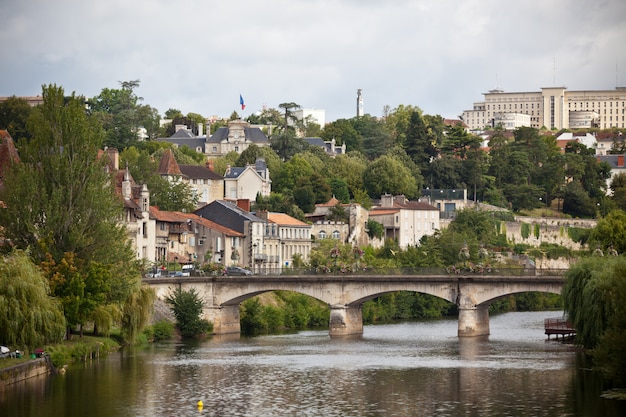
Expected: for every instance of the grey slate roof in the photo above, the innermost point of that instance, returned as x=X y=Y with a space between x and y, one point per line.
x=252 y=134
x=199 y=172
x=234 y=172
x=227 y=214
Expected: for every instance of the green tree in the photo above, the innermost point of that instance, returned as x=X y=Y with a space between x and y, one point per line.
x=610 y=231
x=30 y=316
x=418 y=144
x=121 y=114
x=14 y=113
x=66 y=209
x=343 y=131
x=376 y=139
x=350 y=168
x=388 y=175
x=187 y=308
x=340 y=190
x=594 y=298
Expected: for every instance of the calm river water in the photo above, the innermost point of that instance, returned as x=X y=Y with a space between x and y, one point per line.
x=405 y=369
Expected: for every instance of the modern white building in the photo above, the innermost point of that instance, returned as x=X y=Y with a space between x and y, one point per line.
x=553 y=108
x=317 y=116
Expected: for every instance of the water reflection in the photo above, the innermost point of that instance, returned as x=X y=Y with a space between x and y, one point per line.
x=405 y=369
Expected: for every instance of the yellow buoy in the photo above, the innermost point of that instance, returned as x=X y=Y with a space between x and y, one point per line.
x=200 y=405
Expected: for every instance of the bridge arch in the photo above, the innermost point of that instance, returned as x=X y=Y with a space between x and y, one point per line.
x=345 y=294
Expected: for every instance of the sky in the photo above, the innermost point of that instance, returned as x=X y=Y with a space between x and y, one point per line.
x=199 y=55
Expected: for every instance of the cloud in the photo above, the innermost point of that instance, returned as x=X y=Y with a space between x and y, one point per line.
x=199 y=56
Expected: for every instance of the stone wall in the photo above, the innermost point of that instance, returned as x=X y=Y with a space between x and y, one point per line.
x=23 y=371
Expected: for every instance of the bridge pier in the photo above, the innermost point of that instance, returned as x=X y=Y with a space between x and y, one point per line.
x=345 y=321
x=473 y=321
x=225 y=318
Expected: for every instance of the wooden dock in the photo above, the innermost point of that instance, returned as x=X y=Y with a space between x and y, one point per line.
x=559 y=327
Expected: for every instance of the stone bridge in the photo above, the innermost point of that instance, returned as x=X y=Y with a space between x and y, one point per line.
x=345 y=294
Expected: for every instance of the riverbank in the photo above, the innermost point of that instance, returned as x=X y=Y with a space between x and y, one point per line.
x=57 y=358
x=21 y=371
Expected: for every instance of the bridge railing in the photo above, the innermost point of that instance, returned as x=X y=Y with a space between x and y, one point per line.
x=428 y=271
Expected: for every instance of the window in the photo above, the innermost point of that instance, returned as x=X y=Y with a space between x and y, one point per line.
x=215 y=149
x=322 y=234
x=336 y=234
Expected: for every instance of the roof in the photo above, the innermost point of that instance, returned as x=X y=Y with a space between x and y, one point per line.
x=199 y=172
x=227 y=214
x=251 y=134
x=383 y=212
x=168 y=165
x=215 y=226
x=283 y=219
x=330 y=203
x=234 y=172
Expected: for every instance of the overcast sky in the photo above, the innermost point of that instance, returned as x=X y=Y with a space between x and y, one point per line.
x=199 y=56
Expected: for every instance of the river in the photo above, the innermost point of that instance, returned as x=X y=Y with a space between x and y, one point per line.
x=404 y=369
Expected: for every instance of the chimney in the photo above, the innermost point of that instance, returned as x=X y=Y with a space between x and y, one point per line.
x=262 y=214
x=386 y=200
x=114 y=157
x=244 y=204
x=199 y=129
x=210 y=165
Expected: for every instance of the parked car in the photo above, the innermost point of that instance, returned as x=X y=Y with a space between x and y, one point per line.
x=236 y=270
x=175 y=274
x=154 y=274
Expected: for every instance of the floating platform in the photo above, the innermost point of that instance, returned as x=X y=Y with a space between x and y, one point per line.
x=559 y=327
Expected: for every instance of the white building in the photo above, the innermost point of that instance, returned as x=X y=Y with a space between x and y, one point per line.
x=552 y=107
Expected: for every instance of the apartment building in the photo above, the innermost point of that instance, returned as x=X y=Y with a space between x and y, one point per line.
x=552 y=107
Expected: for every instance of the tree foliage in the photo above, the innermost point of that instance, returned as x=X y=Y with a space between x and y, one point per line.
x=61 y=203
x=14 y=114
x=30 y=316
x=594 y=296
x=187 y=308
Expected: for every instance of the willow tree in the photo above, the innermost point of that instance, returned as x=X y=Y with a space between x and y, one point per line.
x=61 y=204
x=30 y=316
x=594 y=296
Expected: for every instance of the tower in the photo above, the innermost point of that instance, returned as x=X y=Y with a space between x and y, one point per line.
x=359 y=103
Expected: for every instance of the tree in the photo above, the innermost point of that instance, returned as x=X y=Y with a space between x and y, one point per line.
x=30 y=316
x=121 y=114
x=14 y=113
x=417 y=144
x=594 y=297
x=288 y=108
x=187 y=308
x=610 y=231
x=340 y=190
x=343 y=131
x=388 y=175
x=61 y=203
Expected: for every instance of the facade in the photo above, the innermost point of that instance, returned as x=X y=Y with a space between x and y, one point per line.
x=140 y=225
x=245 y=183
x=405 y=221
x=237 y=136
x=237 y=217
x=317 y=116
x=285 y=237
x=205 y=184
x=354 y=231
x=329 y=146
x=552 y=107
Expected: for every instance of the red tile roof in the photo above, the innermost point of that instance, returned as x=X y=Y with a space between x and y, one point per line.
x=168 y=165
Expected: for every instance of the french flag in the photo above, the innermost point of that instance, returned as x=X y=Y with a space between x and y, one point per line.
x=243 y=106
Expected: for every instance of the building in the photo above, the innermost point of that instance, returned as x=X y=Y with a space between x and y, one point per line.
x=352 y=229
x=359 y=103
x=204 y=183
x=284 y=238
x=306 y=116
x=405 y=221
x=329 y=146
x=237 y=137
x=245 y=183
x=552 y=108
x=251 y=230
